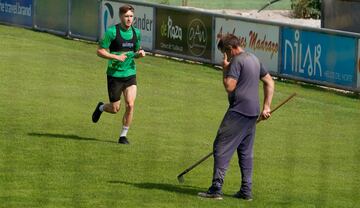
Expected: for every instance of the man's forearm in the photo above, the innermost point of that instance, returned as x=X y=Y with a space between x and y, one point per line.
x=268 y=93
x=224 y=78
x=104 y=54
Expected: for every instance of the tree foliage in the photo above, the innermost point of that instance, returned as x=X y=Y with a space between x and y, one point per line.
x=306 y=8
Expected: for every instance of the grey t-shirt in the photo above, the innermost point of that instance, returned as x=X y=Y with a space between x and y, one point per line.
x=247 y=70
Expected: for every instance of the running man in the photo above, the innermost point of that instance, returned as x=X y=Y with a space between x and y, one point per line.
x=120 y=45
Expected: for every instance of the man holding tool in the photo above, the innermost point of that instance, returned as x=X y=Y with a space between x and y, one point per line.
x=241 y=77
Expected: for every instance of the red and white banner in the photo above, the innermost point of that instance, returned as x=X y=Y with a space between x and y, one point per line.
x=260 y=39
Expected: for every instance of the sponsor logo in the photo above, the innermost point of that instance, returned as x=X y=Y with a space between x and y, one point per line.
x=255 y=43
x=197 y=37
x=128 y=45
x=308 y=63
x=220 y=34
x=108 y=15
x=262 y=44
x=171 y=31
x=143 y=23
x=15 y=9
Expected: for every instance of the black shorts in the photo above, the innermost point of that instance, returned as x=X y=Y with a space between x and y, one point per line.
x=116 y=85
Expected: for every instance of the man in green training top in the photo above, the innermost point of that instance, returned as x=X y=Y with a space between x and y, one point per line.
x=120 y=45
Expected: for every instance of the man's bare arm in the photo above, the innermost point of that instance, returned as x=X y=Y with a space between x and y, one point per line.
x=268 y=85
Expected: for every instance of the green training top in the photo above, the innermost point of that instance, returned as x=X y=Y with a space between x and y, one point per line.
x=127 y=67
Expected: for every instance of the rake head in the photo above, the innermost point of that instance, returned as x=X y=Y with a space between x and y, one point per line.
x=181 y=178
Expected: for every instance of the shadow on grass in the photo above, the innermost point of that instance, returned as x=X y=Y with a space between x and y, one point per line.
x=320 y=88
x=67 y=136
x=183 y=189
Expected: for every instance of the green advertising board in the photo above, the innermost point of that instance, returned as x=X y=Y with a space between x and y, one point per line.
x=184 y=33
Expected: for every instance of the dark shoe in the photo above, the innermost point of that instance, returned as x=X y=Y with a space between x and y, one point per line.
x=239 y=195
x=211 y=194
x=123 y=140
x=97 y=113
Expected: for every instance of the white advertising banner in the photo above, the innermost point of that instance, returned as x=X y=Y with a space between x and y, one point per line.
x=358 y=66
x=143 y=20
x=260 y=39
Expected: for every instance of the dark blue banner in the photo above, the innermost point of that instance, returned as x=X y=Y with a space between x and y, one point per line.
x=319 y=56
x=17 y=12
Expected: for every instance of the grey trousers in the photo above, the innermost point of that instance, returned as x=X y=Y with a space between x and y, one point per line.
x=236 y=132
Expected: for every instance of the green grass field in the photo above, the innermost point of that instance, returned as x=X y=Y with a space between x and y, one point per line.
x=220 y=4
x=52 y=155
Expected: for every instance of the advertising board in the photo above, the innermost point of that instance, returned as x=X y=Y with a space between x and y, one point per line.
x=184 y=32
x=319 y=56
x=260 y=39
x=17 y=12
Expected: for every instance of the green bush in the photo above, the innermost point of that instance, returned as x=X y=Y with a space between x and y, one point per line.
x=167 y=2
x=306 y=8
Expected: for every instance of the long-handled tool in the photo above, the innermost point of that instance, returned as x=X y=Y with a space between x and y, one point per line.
x=267 y=4
x=180 y=177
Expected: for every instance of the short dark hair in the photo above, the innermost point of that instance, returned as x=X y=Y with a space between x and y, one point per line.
x=126 y=8
x=227 y=42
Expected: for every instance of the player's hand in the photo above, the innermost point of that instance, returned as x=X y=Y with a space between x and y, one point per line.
x=121 y=57
x=225 y=63
x=266 y=113
x=141 y=53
